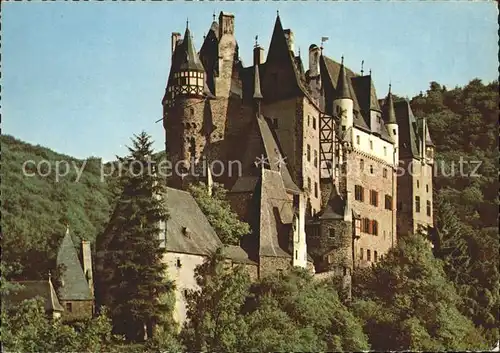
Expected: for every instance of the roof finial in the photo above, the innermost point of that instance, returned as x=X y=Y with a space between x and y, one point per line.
x=256 y=40
x=187 y=23
x=299 y=51
x=370 y=72
x=362 y=63
x=278 y=13
x=50 y=275
x=390 y=85
x=342 y=60
x=213 y=16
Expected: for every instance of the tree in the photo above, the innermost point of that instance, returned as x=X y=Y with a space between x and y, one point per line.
x=134 y=255
x=407 y=303
x=218 y=212
x=214 y=318
x=311 y=315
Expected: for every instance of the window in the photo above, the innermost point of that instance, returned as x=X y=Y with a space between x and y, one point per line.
x=374 y=228
x=316 y=158
x=388 y=202
x=417 y=204
x=186 y=292
x=69 y=307
x=330 y=259
x=361 y=254
x=384 y=234
x=418 y=184
x=296 y=254
x=308 y=120
x=331 y=233
x=428 y=208
x=361 y=164
x=371 y=169
x=384 y=173
x=358 y=140
x=316 y=190
x=373 y=198
x=385 y=151
x=375 y=255
x=280 y=274
x=309 y=183
x=365 y=225
x=371 y=145
x=314 y=123
x=427 y=187
x=358 y=193
x=394 y=132
x=368 y=255
x=308 y=153
x=178 y=263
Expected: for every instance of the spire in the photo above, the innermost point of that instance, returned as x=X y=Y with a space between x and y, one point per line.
x=389 y=113
x=257 y=94
x=190 y=59
x=343 y=90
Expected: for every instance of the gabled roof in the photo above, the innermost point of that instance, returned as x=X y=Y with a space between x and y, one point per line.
x=275 y=212
x=31 y=290
x=407 y=126
x=74 y=284
x=185 y=215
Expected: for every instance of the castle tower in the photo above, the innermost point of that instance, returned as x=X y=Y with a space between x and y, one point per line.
x=183 y=108
x=343 y=105
x=299 y=232
x=389 y=116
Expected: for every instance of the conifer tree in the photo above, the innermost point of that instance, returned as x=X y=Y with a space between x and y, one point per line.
x=137 y=280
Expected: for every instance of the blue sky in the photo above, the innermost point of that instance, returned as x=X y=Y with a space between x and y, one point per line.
x=82 y=78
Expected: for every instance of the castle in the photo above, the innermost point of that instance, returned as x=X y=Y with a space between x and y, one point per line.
x=330 y=176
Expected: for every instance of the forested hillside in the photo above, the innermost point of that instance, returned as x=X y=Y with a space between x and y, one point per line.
x=36 y=209
x=464 y=126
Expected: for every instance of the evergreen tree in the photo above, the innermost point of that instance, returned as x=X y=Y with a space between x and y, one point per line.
x=136 y=280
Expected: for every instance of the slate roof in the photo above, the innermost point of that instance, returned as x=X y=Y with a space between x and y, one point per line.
x=334 y=209
x=388 y=112
x=275 y=211
x=187 y=58
x=31 y=290
x=245 y=184
x=237 y=254
x=185 y=213
x=75 y=285
x=407 y=126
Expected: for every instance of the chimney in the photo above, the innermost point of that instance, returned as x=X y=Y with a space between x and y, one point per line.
x=226 y=24
x=258 y=55
x=290 y=39
x=314 y=54
x=87 y=264
x=175 y=38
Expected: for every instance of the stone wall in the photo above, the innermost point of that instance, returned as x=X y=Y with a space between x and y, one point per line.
x=386 y=219
x=271 y=265
x=77 y=309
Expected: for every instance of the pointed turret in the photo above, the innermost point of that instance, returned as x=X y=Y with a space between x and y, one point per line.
x=189 y=58
x=389 y=113
x=343 y=104
x=343 y=91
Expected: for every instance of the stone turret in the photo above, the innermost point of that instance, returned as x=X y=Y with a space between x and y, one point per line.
x=343 y=105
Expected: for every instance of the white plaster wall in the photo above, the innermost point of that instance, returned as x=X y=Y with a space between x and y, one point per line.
x=377 y=151
x=184 y=279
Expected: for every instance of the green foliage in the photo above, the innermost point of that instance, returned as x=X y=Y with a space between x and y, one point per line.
x=463 y=123
x=407 y=303
x=36 y=208
x=214 y=315
x=294 y=313
x=219 y=213
x=135 y=280
x=29 y=329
